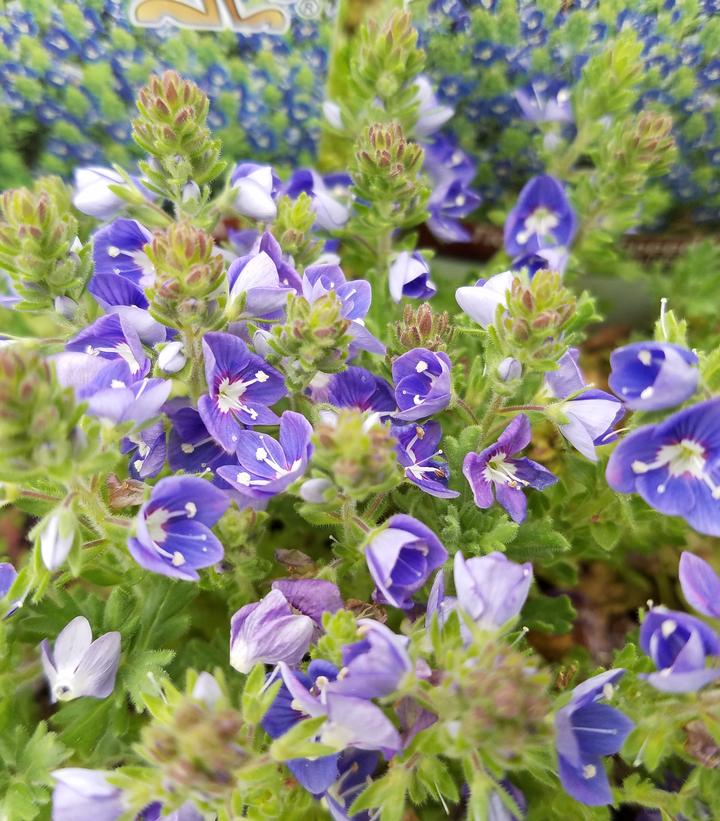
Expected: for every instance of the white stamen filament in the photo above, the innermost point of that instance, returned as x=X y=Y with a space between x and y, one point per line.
x=684 y=457
x=502 y=472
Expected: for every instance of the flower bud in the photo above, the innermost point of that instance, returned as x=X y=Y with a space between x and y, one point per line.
x=423 y=328
x=316 y=491
x=171 y=358
x=57 y=538
x=509 y=369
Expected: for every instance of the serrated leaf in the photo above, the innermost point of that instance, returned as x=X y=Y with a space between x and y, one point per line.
x=549 y=614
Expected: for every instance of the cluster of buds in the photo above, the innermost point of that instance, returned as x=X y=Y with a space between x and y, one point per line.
x=293 y=229
x=39 y=246
x=645 y=149
x=189 y=289
x=358 y=452
x=171 y=128
x=422 y=328
x=388 y=185
x=498 y=704
x=197 y=748
x=38 y=420
x=314 y=337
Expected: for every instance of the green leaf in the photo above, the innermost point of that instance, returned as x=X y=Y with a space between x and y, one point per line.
x=549 y=614
x=298 y=742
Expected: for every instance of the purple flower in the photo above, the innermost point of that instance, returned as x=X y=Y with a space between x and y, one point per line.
x=585 y=732
x=675 y=466
x=450 y=200
x=410 y=277
x=374 y=666
x=269 y=632
x=82 y=793
x=120 y=260
x=700 y=585
x=357 y=388
x=591 y=414
x=481 y=301
x=311 y=597
x=92 y=194
x=138 y=402
x=422 y=383
x=327 y=194
x=653 y=375
x=553 y=259
x=351 y=722
x=542 y=217
x=266 y=467
x=8 y=574
x=255 y=186
x=78 y=666
x=190 y=446
x=495 y=468
x=417 y=451
x=241 y=386
x=355 y=768
x=172 y=530
x=147 y=451
x=284 y=713
x=431 y=115
x=545 y=102
x=401 y=558
x=57 y=537
x=496 y=809
x=256 y=283
x=679 y=646
x=491 y=589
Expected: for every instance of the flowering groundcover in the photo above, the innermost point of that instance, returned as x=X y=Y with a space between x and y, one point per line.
x=319 y=525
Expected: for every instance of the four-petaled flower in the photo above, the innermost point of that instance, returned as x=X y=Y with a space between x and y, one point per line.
x=542 y=217
x=585 y=732
x=418 y=451
x=422 y=383
x=496 y=468
x=266 y=467
x=172 y=529
x=675 y=466
x=241 y=387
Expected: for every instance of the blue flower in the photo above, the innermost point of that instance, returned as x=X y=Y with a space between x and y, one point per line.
x=430 y=115
x=409 y=277
x=329 y=196
x=418 y=451
x=680 y=646
x=675 y=466
x=357 y=388
x=119 y=253
x=545 y=101
x=256 y=187
x=172 y=529
x=700 y=585
x=81 y=793
x=653 y=375
x=400 y=557
x=147 y=451
x=266 y=467
x=542 y=217
x=191 y=448
x=586 y=731
x=241 y=387
x=422 y=383
x=495 y=468
x=255 y=287
x=481 y=301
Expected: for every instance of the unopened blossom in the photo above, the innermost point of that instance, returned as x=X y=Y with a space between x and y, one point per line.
x=81 y=793
x=545 y=101
x=330 y=195
x=269 y=632
x=684 y=649
x=172 y=529
x=700 y=584
x=422 y=383
x=77 y=666
x=675 y=466
x=374 y=665
x=585 y=732
x=92 y=194
x=266 y=466
x=315 y=775
x=57 y=538
x=418 y=451
x=401 y=557
x=172 y=357
x=482 y=300
x=491 y=589
x=652 y=376
x=256 y=286
x=255 y=186
x=241 y=387
x=409 y=276
x=509 y=369
x=591 y=414
x=497 y=469
x=541 y=218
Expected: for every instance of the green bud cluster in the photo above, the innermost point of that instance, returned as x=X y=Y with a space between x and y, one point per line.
x=358 y=452
x=422 y=328
x=314 y=337
x=189 y=288
x=197 y=748
x=38 y=420
x=171 y=128
x=387 y=176
x=293 y=229
x=39 y=246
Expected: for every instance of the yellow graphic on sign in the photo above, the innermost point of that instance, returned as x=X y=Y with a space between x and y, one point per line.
x=210 y=15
